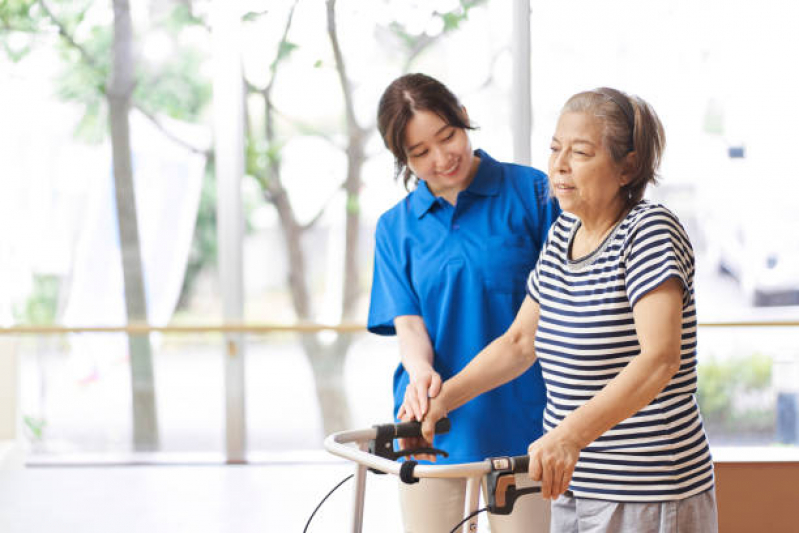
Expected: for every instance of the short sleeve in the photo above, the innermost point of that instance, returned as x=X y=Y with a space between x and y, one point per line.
x=658 y=249
x=392 y=292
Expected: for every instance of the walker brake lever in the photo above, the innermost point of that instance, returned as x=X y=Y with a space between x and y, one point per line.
x=501 y=483
x=383 y=443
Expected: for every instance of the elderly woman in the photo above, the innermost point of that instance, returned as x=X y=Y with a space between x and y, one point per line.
x=610 y=316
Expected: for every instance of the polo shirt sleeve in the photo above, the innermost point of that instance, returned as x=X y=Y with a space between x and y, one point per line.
x=548 y=210
x=658 y=249
x=533 y=283
x=392 y=292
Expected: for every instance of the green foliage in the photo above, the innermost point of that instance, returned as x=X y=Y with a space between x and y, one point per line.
x=451 y=20
x=721 y=382
x=41 y=306
x=180 y=18
x=35 y=426
x=353 y=204
x=176 y=88
x=253 y=16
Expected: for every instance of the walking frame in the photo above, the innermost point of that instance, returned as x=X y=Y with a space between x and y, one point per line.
x=373 y=449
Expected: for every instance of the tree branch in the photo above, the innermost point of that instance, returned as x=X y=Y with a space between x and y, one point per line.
x=206 y=152
x=67 y=36
x=324 y=207
x=346 y=86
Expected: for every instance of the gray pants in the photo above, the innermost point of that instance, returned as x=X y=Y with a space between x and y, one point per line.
x=696 y=514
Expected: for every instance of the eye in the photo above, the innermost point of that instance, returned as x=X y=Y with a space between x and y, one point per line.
x=554 y=149
x=420 y=154
x=450 y=136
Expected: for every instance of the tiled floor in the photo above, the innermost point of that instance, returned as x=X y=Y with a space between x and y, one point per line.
x=197 y=499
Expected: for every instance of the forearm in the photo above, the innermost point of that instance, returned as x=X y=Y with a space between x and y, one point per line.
x=416 y=351
x=629 y=392
x=504 y=359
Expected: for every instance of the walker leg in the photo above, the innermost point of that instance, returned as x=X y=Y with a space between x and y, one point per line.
x=472 y=501
x=359 y=493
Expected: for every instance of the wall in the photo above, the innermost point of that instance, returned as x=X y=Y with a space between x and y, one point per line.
x=755 y=497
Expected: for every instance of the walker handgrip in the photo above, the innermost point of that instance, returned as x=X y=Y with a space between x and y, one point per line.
x=405 y=430
x=521 y=464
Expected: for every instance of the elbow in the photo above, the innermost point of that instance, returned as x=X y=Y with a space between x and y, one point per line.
x=670 y=364
x=522 y=347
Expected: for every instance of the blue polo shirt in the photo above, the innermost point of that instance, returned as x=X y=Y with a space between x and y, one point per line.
x=463 y=269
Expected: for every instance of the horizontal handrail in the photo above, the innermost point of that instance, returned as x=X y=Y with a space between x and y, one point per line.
x=141 y=329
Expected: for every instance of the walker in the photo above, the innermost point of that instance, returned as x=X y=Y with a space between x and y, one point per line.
x=374 y=450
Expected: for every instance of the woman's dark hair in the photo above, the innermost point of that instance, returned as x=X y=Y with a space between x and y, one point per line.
x=630 y=125
x=402 y=98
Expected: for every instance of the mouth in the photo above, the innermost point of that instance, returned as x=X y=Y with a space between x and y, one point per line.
x=451 y=170
x=563 y=187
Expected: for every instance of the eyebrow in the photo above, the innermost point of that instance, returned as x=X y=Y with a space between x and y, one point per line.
x=576 y=141
x=415 y=146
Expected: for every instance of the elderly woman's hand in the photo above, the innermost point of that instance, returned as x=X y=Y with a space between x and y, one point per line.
x=552 y=461
x=435 y=412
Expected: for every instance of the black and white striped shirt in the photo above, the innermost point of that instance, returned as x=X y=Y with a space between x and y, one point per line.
x=586 y=336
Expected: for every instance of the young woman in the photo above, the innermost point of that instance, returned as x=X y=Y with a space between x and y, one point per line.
x=451 y=261
x=610 y=316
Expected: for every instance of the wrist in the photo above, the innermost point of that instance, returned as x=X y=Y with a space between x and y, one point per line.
x=418 y=369
x=570 y=436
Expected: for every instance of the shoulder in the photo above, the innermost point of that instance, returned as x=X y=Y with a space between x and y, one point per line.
x=649 y=223
x=523 y=175
x=655 y=217
x=562 y=227
x=395 y=217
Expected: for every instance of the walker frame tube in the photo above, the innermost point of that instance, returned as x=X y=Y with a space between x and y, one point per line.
x=339 y=444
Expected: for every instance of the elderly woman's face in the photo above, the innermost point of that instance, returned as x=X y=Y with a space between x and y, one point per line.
x=582 y=173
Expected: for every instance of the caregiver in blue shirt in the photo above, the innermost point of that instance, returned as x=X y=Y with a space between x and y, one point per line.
x=451 y=260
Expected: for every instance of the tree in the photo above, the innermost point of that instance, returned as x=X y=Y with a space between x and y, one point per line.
x=327 y=361
x=87 y=83
x=94 y=78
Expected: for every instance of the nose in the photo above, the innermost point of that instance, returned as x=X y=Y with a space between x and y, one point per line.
x=440 y=157
x=558 y=162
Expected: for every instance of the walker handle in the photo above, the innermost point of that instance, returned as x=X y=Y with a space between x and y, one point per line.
x=383 y=443
x=405 y=430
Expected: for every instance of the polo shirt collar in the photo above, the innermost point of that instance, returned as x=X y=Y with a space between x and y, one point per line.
x=483 y=184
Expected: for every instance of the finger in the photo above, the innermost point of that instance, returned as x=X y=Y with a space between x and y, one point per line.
x=565 y=479
x=428 y=429
x=421 y=395
x=435 y=386
x=547 y=475
x=419 y=401
x=535 y=466
x=411 y=403
x=401 y=413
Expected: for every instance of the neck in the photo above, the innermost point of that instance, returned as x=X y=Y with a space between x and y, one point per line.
x=597 y=227
x=451 y=194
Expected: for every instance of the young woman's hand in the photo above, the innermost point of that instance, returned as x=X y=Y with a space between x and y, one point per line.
x=422 y=386
x=552 y=461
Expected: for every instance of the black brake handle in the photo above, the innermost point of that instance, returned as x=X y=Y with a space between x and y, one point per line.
x=383 y=443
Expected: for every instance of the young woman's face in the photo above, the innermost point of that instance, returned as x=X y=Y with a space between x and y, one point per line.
x=584 y=177
x=439 y=154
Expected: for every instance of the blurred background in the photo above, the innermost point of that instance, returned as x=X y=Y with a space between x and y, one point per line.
x=722 y=76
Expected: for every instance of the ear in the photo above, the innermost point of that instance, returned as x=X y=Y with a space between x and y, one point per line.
x=465 y=114
x=628 y=167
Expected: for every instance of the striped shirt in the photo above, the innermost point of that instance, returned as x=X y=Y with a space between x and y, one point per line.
x=586 y=336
